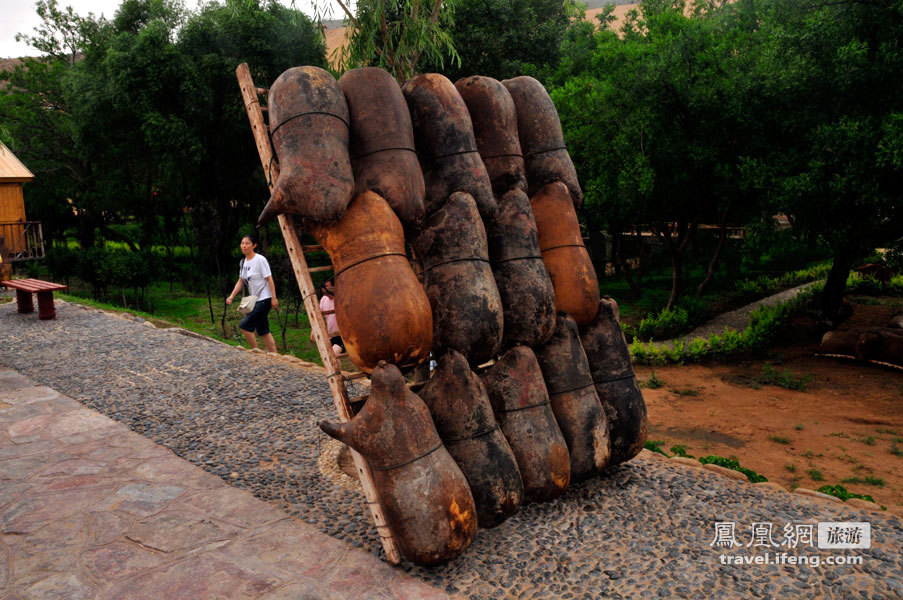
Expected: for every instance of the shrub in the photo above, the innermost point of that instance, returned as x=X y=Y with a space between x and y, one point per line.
x=655 y=446
x=764 y=323
x=62 y=262
x=667 y=323
x=784 y=379
x=729 y=463
x=838 y=491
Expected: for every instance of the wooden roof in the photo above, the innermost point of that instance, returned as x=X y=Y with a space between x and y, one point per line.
x=11 y=168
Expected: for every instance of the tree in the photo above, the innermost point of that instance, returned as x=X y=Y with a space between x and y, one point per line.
x=140 y=117
x=658 y=124
x=830 y=73
x=397 y=34
x=507 y=38
x=36 y=108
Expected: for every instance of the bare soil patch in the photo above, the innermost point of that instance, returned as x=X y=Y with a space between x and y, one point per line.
x=845 y=427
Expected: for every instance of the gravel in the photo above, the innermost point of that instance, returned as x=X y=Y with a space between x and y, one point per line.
x=644 y=529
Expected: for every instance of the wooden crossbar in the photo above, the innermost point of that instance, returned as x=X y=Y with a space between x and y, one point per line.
x=295 y=251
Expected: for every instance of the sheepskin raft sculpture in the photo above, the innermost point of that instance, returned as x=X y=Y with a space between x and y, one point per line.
x=425 y=497
x=494 y=120
x=527 y=295
x=467 y=309
x=383 y=157
x=609 y=361
x=521 y=404
x=463 y=415
x=563 y=252
x=381 y=308
x=877 y=344
x=541 y=139
x=443 y=134
x=309 y=128
x=575 y=403
x=454 y=164
x=526 y=291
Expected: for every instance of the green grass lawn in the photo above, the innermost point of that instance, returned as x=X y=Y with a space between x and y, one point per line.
x=190 y=310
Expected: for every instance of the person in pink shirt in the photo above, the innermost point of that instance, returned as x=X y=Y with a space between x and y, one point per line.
x=327 y=305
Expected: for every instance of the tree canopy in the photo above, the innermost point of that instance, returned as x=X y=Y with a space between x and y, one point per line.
x=724 y=111
x=148 y=121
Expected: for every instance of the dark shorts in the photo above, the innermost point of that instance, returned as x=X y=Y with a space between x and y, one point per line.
x=258 y=319
x=337 y=339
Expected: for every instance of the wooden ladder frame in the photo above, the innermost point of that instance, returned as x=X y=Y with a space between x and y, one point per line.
x=335 y=377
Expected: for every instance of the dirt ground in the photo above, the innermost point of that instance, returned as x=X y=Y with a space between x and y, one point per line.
x=845 y=427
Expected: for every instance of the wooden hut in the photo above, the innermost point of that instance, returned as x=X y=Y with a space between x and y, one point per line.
x=20 y=239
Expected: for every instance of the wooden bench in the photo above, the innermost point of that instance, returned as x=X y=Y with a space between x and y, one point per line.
x=44 y=289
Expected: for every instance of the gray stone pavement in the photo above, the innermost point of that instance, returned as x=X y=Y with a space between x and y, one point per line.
x=643 y=529
x=91 y=510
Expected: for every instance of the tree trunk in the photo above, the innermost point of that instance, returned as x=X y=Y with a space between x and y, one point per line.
x=713 y=264
x=633 y=277
x=832 y=295
x=676 y=279
x=597 y=250
x=677 y=247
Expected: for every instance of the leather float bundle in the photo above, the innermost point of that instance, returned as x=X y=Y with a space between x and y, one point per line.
x=380 y=305
x=463 y=416
x=443 y=134
x=383 y=157
x=574 y=401
x=452 y=246
x=467 y=310
x=309 y=128
x=539 y=130
x=879 y=344
x=563 y=253
x=521 y=405
x=554 y=195
x=423 y=494
x=524 y=286
x=612 y=373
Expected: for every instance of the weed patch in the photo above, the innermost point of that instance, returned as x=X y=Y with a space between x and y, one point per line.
x=815 y=475
x=784 y=379
x=867 y=480
x=838 y=491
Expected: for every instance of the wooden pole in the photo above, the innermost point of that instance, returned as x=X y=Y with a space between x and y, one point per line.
x=334 y=375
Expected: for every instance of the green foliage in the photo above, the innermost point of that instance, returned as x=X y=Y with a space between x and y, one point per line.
x=397 y=34
x=815 y=475
x=764 y=323
x=680 y=450
x=867 y=480
x=779 y=439
x=149 y=120
x=667 y=323
x=752 y=289
x=653 y=383
x=870 y=286
x=838 y=491
x=507 y=38
x=784 y=379
x=894 y=448
x=729 y=463
x=655 y=446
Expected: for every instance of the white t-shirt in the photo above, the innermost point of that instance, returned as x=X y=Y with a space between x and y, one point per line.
x=255 y=272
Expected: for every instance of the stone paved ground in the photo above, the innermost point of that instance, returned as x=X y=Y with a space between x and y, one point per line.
x=89 y=510
x=643 y=530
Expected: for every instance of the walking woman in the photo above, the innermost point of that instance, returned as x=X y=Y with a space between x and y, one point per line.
x=255 y=270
